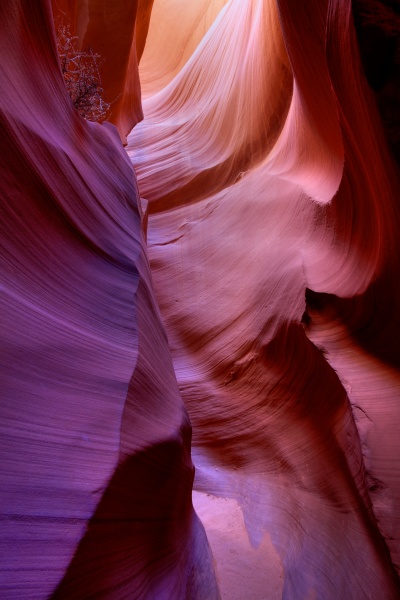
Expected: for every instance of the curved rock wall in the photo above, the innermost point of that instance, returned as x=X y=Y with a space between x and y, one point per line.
x=273 y=240
x=96 y=473
x=117 y=32
x=273 y=236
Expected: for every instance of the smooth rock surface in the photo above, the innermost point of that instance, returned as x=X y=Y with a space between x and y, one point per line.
x=263 y=307
x=273 y=240
x=96 y=473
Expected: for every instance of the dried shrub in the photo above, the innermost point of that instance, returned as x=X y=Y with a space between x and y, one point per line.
x=80 y=69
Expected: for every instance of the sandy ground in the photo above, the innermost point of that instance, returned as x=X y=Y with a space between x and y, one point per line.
x=244 y=573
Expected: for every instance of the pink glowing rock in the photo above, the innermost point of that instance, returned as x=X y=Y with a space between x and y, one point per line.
x=266 y=173
x=172 y=40
x=209 y=126
x=269 y=197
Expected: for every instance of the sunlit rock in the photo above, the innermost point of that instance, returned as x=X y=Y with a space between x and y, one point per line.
x=268 y=193
x=273 y=240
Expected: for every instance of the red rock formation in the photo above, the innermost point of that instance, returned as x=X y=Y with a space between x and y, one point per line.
x=110 y=31
x=273 y=241
x=215 y=140
x=96 y=473
x=268 y=174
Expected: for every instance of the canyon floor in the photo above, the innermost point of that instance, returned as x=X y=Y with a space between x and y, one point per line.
x=243 y=572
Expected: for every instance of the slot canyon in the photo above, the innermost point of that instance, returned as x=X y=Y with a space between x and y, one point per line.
x=200 y=302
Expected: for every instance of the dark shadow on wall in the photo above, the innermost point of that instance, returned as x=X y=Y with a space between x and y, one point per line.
x=370 y=319
x=138 y=533
x=377 y=24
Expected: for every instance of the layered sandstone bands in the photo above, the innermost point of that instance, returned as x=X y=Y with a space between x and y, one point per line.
x=273 y=227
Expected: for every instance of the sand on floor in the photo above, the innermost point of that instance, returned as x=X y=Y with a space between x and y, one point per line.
x=244 y=573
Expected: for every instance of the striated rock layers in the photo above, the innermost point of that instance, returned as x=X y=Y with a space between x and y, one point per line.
x=274 y=244
x=273 y=239
x=96 y=473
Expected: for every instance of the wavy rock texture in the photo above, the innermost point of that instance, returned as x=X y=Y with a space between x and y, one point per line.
x=172 y=39
x=265 y=170
x=96 y=473
x=273 y=240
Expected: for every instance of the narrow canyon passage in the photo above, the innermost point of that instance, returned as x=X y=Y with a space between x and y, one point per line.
x=200 y=362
